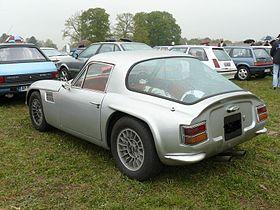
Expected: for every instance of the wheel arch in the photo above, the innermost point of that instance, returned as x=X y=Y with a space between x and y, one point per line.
x=29 y=94
x=243 y=64
x=118 y=115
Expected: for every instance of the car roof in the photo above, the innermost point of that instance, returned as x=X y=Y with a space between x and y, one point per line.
x=132 y=57
x=238 y=46
x=17 y=45
x=47 y=48
x=200 y=46
x=116 y=43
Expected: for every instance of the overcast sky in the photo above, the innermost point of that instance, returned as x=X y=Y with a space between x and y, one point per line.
x=229 y=19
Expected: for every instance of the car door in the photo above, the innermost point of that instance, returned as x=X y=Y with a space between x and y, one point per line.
x=80 y=104
x=77 y=63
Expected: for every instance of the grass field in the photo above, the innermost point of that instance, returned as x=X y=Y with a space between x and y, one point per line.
x=57 y=171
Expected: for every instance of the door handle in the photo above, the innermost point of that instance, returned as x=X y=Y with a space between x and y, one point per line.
x=95 y=104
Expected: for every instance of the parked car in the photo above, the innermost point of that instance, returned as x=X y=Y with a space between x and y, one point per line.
x=70 y=67
x=76 y=51
x=250 y=61
x=53 y=54
x=149 y=108
x=21 y=65
x=163 y=48
x=214 y=57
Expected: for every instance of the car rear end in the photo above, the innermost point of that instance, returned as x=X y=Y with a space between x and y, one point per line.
x=222 y=62
x=263 y=64
x=20 y=66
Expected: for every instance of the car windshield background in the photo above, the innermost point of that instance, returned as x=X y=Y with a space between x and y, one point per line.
x=20 y=54
x=261 y=53
x=135 y=46
x=95 y=78
x=52 y=52
x=221 y=55
x=90 y=51
x=184 y=80
x=198 y=53
x=241 y=53
x=179 y=49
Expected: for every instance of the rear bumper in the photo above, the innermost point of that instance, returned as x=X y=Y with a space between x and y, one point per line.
x=13 y=88
x=208 y=151
x=229 y=74
x=261 y=69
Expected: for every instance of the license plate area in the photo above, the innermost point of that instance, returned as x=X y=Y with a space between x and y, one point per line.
x=267 y=70
x=227 y=64
x=232 y=126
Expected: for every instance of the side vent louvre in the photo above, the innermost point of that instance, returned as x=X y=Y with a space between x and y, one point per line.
x=49 y=97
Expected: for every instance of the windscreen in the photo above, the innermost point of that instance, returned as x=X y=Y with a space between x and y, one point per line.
x=221 y=55
x=135 y=46
x=180 y=79
x=20 y=54
x=52 y=52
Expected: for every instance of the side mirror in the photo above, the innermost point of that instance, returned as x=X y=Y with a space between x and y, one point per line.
x=75 y=55
x=66 y=85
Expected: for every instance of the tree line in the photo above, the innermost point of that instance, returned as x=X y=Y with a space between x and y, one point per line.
x=93 y=25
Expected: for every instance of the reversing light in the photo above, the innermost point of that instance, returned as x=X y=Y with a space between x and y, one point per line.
x=194 y=134
x=262 y=113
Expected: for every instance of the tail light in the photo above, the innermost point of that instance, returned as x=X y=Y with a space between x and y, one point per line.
x=54 y=75
x=262 y=113
x=2 y=80
x=216 y=63
x=194 y=134
x=262 y=63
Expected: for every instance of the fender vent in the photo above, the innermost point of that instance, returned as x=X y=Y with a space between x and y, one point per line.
x=49 y=97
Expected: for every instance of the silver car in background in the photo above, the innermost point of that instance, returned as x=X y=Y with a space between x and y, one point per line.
x=149 y=108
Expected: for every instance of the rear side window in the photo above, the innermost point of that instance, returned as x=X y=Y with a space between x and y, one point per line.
x=261 y=53
x=106 y=48
x=241 y=53
x=221 y=55
x=199 y=53
x=20 y=54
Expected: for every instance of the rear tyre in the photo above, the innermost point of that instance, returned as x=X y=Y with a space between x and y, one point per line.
x=36 y=112
x=133 y=149
x=243 y=73
x=63 y=74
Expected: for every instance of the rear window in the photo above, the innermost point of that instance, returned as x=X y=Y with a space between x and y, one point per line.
x=221 y=55
x=20 y=54
x=241 y=53
x=261 y=53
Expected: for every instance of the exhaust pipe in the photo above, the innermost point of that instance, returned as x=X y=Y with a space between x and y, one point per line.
x=224 y=158
x=234 y=153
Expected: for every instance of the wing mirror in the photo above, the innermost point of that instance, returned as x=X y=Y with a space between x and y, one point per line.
x=75 y=55
x=66 y=85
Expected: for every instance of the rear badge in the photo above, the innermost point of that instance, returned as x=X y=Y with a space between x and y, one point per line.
x=231 y=109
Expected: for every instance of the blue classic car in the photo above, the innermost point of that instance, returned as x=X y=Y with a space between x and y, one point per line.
x=20 y=66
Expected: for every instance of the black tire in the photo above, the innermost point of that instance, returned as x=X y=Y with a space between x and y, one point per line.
x=63 y=74
x=40 y=125
x=243 y=73
x=151 y=165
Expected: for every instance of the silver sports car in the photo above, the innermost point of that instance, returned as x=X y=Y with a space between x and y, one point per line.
x=149 y=108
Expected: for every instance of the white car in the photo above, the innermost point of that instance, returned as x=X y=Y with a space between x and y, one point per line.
x=214 y=57
x=53 y=54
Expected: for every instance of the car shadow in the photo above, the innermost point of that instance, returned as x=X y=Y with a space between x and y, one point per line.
x=16 y=100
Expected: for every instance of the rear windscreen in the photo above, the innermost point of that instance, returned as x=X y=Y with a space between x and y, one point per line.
x=221 y=55
x=261 y=53
x=20 y=54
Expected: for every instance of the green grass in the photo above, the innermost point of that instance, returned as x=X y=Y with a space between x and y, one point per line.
x=57 y=171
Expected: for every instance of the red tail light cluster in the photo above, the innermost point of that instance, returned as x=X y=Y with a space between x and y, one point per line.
x=54 y=75
x=262 y=113
x=261 y=63
x=216 y=63
x=194 y=134
x=2 y=80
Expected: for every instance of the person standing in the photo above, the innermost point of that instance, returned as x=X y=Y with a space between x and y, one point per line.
x=222 y=43
x=275 y=53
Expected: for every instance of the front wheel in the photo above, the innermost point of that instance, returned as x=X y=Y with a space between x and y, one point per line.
x=243 y=73
x=133 y=149
x=36 y=112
